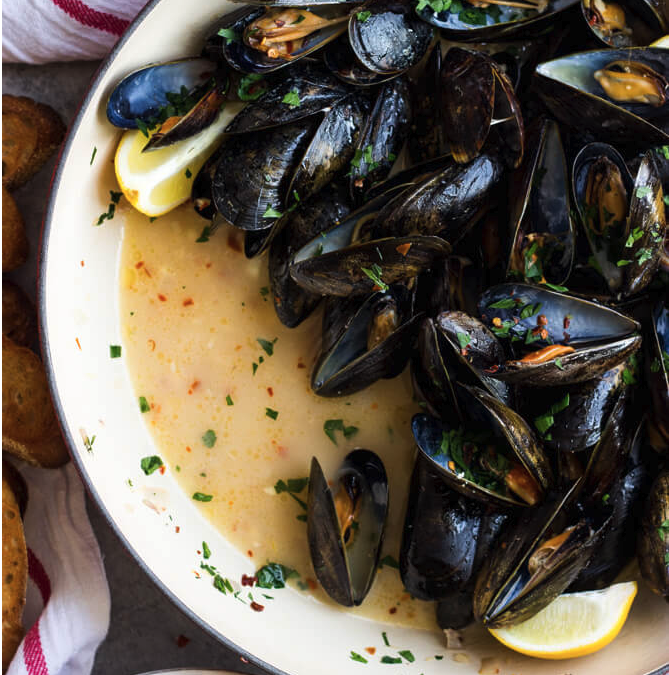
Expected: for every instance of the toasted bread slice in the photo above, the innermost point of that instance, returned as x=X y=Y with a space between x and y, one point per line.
x=15 y=245
x=31 y=132
x=14 y=574
x=19 y=320
x=29 y=426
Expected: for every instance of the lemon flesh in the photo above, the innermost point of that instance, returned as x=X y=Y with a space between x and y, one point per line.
x=574 y=624
x=157 y=181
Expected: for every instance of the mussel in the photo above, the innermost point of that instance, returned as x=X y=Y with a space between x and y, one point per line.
x=345 y=525
x=653 y=540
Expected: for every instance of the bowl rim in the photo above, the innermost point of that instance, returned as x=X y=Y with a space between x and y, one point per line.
x=45 y=234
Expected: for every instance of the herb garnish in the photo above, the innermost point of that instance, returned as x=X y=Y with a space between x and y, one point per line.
x=144 y=405
x=205 y=234
x=201 y=497
x=95 y=150
x=151 y=464
x=251 y=87
x=271 y=212
x=274 y=575
x=544 y=422
x=272 y=414
x=357 y=657
x=115 y=197
x=643 y=191
x=206 y=551
x=88 y=442
x=267 y=345
x=229 y=34
x=293 y=486
x=384 y=635
x=391 y=659
x=292 y=98
x=463 y=339
x=375 y=275
x=114 y=351
x=406 y=654
x=188 y=173
x=389 y=561
x=228 y=400
x=209 y=438
x=330 y=426
x=363 y=16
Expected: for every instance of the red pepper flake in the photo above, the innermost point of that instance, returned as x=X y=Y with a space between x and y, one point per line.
x=76 y=339
x=566 y=322
x=208 y=265
x=234 y=242
x=544 y=334
x=403 y=249
x=82 y=263
x=243 y=659
x=289 y=46
x=542 y=320
x=270 y=391
x=177 y=529
x=162 y=470
x=152 y=344
x=492 y=369
x=256 y=607
x=197 y=575
x=312 y=584
x=139 y=265
x=300 y=364
x=277 y=301
x=374 y=406
x=249 y=553
x=279 y=23
x=161 y=297
x=370 y=650
x=188 y=448
x=392 y=610
x=182 y=641
x=249 y=581
x=194 y=385
x=188 y=301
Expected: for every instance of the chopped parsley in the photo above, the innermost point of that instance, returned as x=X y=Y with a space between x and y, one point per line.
x=272 y=414
x=606 y=497
x=330 y=426
x=229 y=35
x=530 y=310
x=114 y=197
x=188 y=173
x=201 y=497
x=209 y=438
x=274 y=575
x=384 y=635
x=363 y=16
x=114 y=351
x=544 y=422
x=555 y=287
x=206 y=551
x=95 y=150
x=463 y=340
x=205 y=234
x=643 y=255
x=292 y=487
x=357 y=657
x=292 y=98
x=406 y=654
x=271 y=212
x=391 y=659
x=144 y=405
x=223 y=585
x=558 y=363
x=630 y=370
x=504 y=303
x=389 y=561
x=663 y=529
x=375 y=275
x=299 y=19
x=228 y=400
x=635 y=234
x=622 y=263
x=643 y=191
x=251 y=87
x=88 y=443
x=267 y=345
x=151 y=464
x=264 y=292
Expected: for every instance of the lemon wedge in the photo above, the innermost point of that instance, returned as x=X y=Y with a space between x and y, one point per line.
x=574 y=624
x=157 y=181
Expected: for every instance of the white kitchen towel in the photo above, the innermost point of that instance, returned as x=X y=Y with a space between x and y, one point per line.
x=40 y=31
x=68 y=604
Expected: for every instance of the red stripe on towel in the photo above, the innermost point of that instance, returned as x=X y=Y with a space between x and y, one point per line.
x=92 y=18
x=33 y=655
x=38 y=574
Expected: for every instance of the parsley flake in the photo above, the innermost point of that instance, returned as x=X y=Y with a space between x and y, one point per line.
x=209 y=438
x=114 y=351
x=292 y=98
x=201 y=497
x=267 y=345
x=330 y=426
x=151 y=464
x=273 y=414
x=229 y=34
x=144 y=405
x=363 y=16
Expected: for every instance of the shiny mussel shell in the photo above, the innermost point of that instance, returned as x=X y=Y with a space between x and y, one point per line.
x=657 y=366
x=345 y=525
x=387 y=37
x=653 y=541
x=340 y=59
x=374 y=342
x=631 y=23
x=544 y=237
x=536 y=559
x=569 y=88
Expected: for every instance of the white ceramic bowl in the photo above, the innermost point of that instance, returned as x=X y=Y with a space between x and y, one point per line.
x=80 y=319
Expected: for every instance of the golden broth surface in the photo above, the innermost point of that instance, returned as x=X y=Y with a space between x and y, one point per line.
x=191 y=315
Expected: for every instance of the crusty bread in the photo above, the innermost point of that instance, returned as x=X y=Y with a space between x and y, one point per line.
x=19 y=320
x=15 y=245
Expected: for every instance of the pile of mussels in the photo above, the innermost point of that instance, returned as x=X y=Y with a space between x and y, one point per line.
x=489 y=208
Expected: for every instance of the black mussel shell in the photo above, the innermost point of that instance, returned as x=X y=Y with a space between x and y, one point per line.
x=382 y=137
x=653 y=537
x=375 y=343
x=292 y=303
x=314 y=90
x=544 y=238
x=569 y=88
x=657 y=366
x=254 y=172
x=536 y=559
x=201 y=194
x=471 y=23
x=345 y=557
x=387 y=37
x=142 y=94
x=340 y=60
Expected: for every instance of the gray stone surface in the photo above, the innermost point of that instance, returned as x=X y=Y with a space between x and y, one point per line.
x=145 y=626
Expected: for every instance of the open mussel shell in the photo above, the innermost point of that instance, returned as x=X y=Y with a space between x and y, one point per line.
x=446 y=203
x=253 y=174
x=292 y=303
x=536 y=559
x=525 y=456
x=382 y=137
x=626 y=23
x=374 y=343
x=573 y=93
x=143 y=93
x=653 y=538
x=314 y=90
x=345 y=525
x=544 y=239
x=237 y=27
x=657 y=365
x=387 y=37
x=477 y=95
x=470 y=23
x=340 y=59
x=201 y=194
